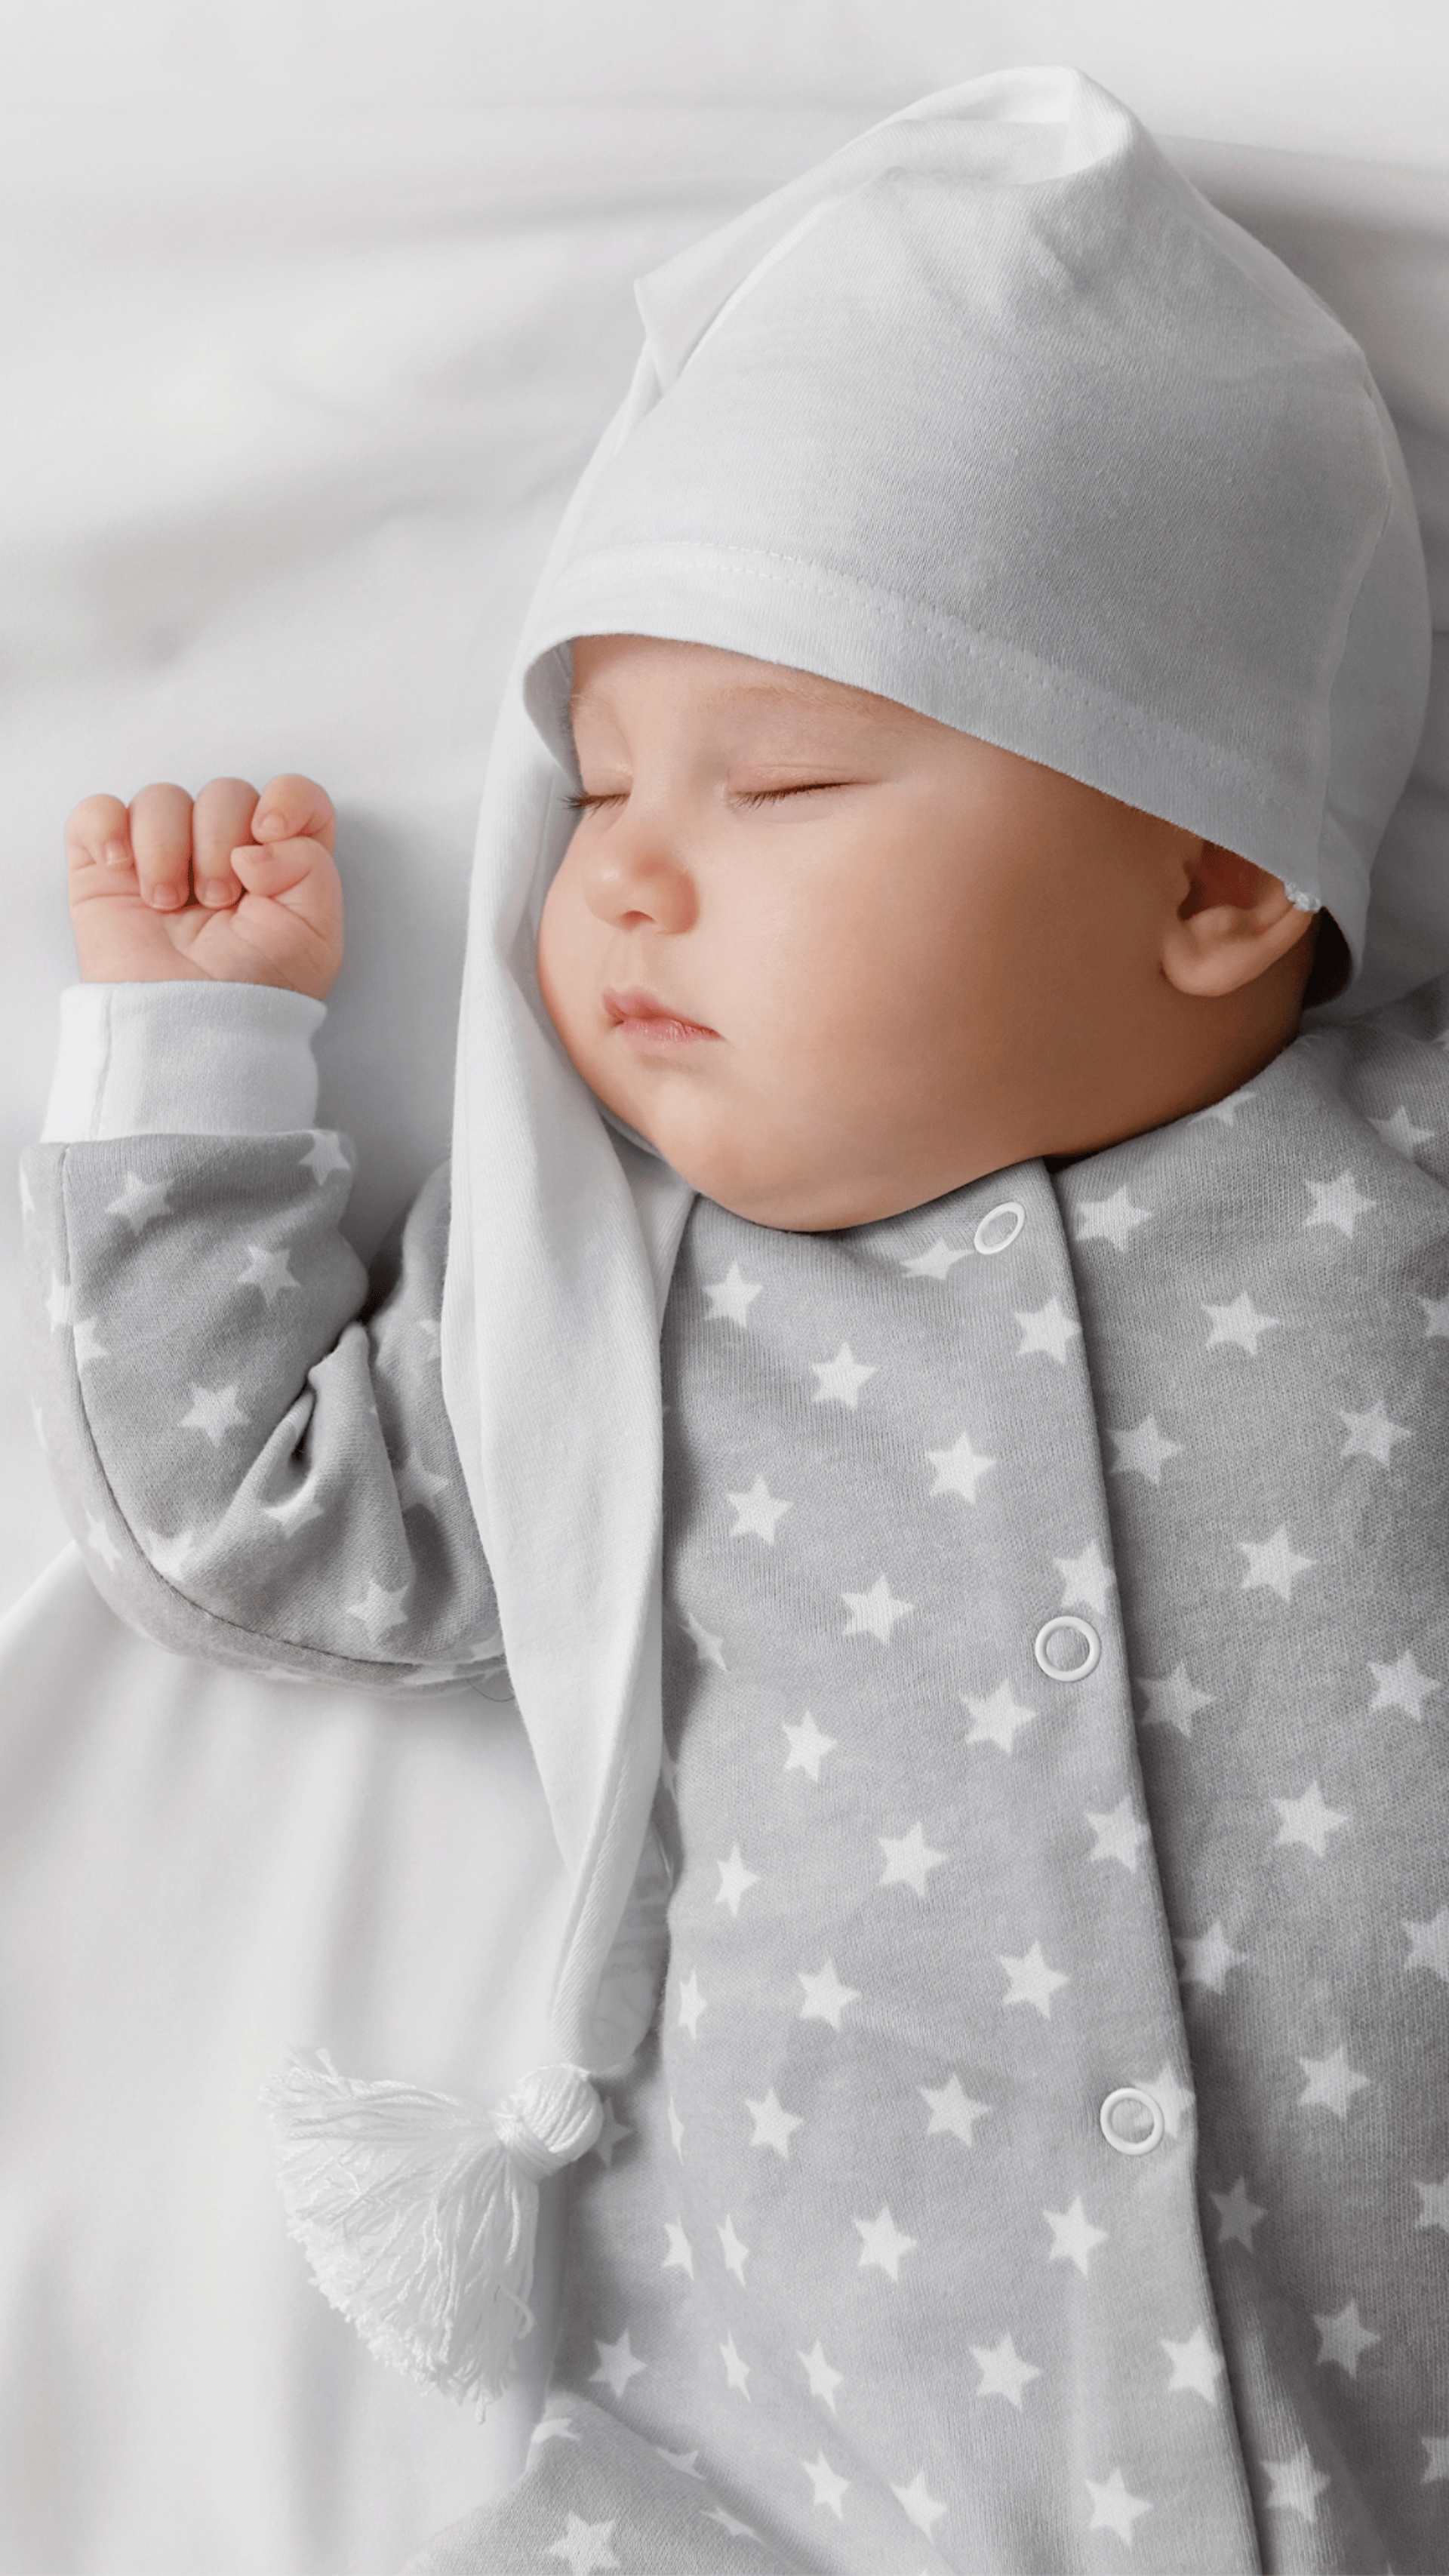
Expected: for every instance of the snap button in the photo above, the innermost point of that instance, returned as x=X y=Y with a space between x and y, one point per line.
x=1131 y=2121
x=989 y=1236
x=1063 y=1627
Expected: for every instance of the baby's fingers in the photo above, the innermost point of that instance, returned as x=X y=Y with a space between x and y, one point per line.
x=161 y=846
x=98 y=835
x=295 y=809
x=221 y=818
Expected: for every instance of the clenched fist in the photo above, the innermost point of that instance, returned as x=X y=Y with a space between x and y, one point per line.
x=236 y=887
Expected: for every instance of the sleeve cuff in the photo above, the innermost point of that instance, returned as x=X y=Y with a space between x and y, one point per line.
x=184 y=1058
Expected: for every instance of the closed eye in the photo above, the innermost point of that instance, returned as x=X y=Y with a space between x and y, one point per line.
x=777 y=795
x=582 y=803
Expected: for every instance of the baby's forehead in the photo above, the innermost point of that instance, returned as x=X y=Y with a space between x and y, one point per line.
x=611 y=671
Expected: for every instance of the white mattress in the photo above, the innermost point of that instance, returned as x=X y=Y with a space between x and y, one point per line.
x=312 y=315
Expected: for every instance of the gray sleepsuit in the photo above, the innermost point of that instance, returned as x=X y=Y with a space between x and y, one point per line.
x=1041 y=2158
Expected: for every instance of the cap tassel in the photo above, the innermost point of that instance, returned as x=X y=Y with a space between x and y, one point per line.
x=418 y=2212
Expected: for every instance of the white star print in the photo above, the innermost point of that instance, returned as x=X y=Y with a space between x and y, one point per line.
x=1113 y=2508
x=1173 y=2099
x=1142 y=1452
x=842 y=1378
x=1003 y=2372
x=1172 y=1700
x=381 y=1611
x=1237 y=2215
x=101 y=1543
x=585 y=2545
x=758 y=1510
x=617 y=2364
x=735 y=2254
x=918 y=2504
x=1400 y=1132
x=85 y=1344
x=908 y=1860
x=825 y=1997
x=1433 y=2204
x=999 y=1719
x=691 y=2005
x=773 y=2124
x=58 y=1303
x=554 y=2428
x=1437 y=1311
x=823 y=2380
x=1402 y=1685
x=734 y=1881
x=1048 y=1328
x=1337 y=1203
x=882 y=2244
x=829 y=2488
x=611 y=2130
x=1372 y=1435
x=1118 y=1835
x=1297 y=2484
x=1240 y=1324
x=168 y=1555
x=1332 y=2083
x=1207 y=1958
x=686 y=2462
x=1429 y=1945
x=1113 y=1220
x=808 y=1747
x=709 y=1649
x=874 y=1613
x=732 y=1297
x=730 y=2522
x=325 y=1155
x=1308 y=1821
x=215 y=1411
x=417 y=1486
x=297 y=1510
x=140 y=1201
x=937 y=1263
x=959 y=1470
x=953 y=2113
x=1086 y=1579
x=1272 y=1563
x=1074 y=2238
x=680 y=2257
x=737 y=2372
x=1437 y=2464
x=269 y=1271
x=1032 y=1981
x=1344 y=2339
x=1196 y=2368
x=1224 y=1111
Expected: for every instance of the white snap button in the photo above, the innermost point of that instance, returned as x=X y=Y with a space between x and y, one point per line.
x=1131 y=2121
x=1070 y=1666
x=1000 y=1226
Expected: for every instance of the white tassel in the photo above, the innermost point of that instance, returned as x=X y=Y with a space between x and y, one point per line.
x=417 y=2213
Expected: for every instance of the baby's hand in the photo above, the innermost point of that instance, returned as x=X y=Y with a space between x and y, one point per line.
x=237 y=887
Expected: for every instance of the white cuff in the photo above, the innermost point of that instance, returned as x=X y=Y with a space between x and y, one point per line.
x=185 y=1059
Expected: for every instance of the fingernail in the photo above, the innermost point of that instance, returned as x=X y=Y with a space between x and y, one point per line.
x=116 y=854
x=165 y=898
x=215 y=894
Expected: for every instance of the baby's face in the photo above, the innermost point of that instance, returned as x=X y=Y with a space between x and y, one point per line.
x=910 y=958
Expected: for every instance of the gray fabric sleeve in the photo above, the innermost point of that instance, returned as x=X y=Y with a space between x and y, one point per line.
x=245 y=1427
x=188 y=1058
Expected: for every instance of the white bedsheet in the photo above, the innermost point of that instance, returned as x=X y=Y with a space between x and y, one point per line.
x=311 y=315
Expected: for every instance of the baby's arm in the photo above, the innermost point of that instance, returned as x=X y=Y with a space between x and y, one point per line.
x=247 y=1431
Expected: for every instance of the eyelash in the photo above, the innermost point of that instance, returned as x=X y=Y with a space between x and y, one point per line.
x=583 y=804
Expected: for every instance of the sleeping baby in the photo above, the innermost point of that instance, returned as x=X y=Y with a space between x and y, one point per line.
x=924 y=1374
